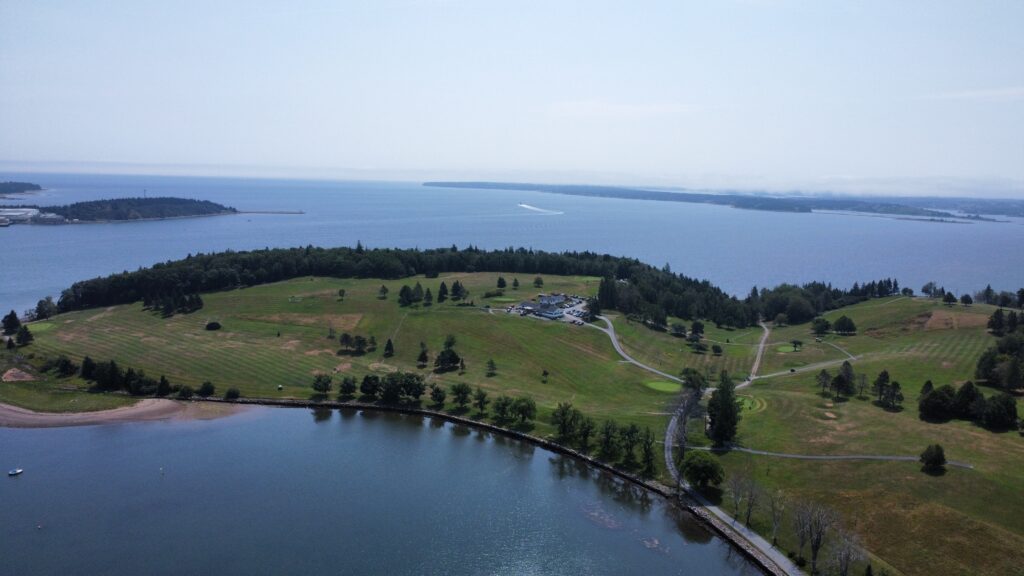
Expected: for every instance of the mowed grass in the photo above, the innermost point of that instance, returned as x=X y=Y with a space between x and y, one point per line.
x=276 y=335
x=672 y=354
x=964 y=522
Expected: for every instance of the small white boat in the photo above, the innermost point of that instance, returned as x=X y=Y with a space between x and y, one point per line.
x=14 y=472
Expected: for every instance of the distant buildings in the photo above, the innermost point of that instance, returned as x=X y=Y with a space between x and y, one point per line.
x=10 y=216
x=547 y=306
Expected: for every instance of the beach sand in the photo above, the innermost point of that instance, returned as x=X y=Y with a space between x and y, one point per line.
x=149 y=409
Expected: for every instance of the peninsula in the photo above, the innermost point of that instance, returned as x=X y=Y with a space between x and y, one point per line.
x=116 y=210
x=906 y=208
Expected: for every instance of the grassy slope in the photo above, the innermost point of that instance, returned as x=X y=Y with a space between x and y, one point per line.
x=672 y=354
x=966 y=522
x=247 y=352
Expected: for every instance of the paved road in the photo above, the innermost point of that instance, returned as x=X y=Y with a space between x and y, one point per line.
x=610 y=331
x=757 y=359
x=835 y=457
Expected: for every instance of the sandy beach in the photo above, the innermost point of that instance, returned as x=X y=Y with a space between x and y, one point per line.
x=149 y=409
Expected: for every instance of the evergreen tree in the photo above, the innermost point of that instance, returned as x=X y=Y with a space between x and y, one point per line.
x=723 y=411
x=428 y=298
x=389 y=349
x=442 y=293
x=11 y=323
x=501 y=282
x=515 y=284
x=480 y=399
x=492 y=368
x=383 y=292
x=437 y=395
x=24 y=336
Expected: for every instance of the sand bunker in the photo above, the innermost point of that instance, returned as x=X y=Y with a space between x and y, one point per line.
x=15 y=375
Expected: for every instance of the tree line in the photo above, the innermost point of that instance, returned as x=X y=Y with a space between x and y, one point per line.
x=639 y=287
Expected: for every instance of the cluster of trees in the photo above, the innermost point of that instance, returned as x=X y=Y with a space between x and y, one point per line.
x=844 y=383
x=1001 y=365
x=18 y=334
x=967 y=402
x=843 y=325
x=360 y=345
x=447 y=360
x=393 y=388
x=407 y=296
x=170 y=304
x=798 y=304
x=1003 y=299
x=615 y=442
x=502 y=284
x=137 y=208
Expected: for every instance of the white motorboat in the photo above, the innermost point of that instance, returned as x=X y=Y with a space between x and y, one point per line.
x=14 y=472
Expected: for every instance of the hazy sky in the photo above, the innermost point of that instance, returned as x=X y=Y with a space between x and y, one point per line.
x=732 y=93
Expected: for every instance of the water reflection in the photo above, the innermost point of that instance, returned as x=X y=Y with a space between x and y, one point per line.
x=321 y=415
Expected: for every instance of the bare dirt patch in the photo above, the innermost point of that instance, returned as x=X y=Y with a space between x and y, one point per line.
x=16 y=375
x=337 y=321
x=952 y=319
x=101 y=315
x=290 y=345
x=343 y=367
x=319 y=352
x=382 y=367
x=830 y=415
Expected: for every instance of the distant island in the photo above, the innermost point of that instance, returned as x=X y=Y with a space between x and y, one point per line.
x=115 y=210
x=803 y=204
x=18 y=187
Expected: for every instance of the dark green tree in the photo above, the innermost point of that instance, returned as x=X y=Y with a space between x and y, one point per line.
x=480 y=400
x=949 y=299
x=629 y=437
x=428 y=298
x=538 y=282
x=389 y=349
x=442 y=293
x=383 y=292
x=585 y=432
x=966 y=300
x=421 y=360
x=647 y=454
x=1000 y=412
x=11 y=323
x=937 y=404
x=322 y=383
x=609 y=440
x=844 y=325
x=207 y=389
x=524 y=408
x=461 y=392
x=501 y=282
x=232 y=394
x=437 y=395
x=503 y=408
x=46 y=308
x=24 y=336
x=702 y=469
x=723 y=411
x=492 y=368
x=933 y=459
x=515 y=283
x=163 y=387
x=347 y=387
x=370 y=386
x=821 y=326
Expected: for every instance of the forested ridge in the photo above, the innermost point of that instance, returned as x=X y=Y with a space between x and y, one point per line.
x=629 y=285
x=15 y=187
x=137 y=209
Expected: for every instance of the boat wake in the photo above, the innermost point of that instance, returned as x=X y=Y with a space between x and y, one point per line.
x=540 y=210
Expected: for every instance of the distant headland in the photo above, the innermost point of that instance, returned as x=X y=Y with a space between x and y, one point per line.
x=114 y=210
x=925 y=209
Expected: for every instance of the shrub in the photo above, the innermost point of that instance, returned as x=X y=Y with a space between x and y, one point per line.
x=933 y=458
x=702 y=469
x=213 y=325
x=207 y=389
x=232 y=394
x=185 y=392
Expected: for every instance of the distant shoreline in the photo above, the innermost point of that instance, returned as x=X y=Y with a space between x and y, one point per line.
x=157 y=219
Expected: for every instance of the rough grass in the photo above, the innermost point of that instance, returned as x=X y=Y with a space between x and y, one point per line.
x=276 y=335
x=964 y=522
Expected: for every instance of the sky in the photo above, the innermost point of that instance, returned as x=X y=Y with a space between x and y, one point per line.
x=848 y=96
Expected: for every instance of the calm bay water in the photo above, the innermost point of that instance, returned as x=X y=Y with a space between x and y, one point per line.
x=734 y=249
x=290 y=491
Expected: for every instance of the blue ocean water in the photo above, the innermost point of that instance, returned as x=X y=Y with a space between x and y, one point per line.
x=733 y=248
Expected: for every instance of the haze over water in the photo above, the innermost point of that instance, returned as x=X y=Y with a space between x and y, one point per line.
x=734 y=249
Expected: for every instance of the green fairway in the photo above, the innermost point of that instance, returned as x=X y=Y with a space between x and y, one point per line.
x=664 y=386
x=965 y=522
x=785 y=348
x=276 y=335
